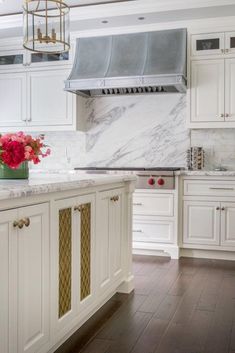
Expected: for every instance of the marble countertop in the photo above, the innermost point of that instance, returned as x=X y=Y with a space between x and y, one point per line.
x=228 y=173
x=42 y=182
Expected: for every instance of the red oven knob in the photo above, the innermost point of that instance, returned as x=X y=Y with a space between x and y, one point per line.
x=161 y=182
x=151 y=181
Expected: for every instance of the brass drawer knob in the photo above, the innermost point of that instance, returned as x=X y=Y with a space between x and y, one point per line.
x=26 y=222
x=114 y=198
x=18 y=224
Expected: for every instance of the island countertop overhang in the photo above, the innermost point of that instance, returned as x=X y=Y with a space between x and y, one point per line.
x=47 y=182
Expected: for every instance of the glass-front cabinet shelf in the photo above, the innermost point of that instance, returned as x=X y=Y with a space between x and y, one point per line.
x=230 y=42
x=43 y=58
x=16 y=59
x=207 y=44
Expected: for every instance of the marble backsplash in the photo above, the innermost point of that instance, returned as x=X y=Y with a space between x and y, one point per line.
x=219 y=146
x=125 y=131
x=137 y=131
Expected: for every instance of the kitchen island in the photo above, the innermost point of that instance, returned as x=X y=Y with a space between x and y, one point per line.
x=65 y=249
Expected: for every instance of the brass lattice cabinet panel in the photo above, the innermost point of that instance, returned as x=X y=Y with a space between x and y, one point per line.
x=85 y=250
x=65 y=261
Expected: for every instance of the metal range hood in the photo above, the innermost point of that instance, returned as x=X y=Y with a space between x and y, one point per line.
x=140 y=63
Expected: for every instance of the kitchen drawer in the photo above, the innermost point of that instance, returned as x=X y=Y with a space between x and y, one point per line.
x=209 y=188
x=153 y=204
x=153 y=231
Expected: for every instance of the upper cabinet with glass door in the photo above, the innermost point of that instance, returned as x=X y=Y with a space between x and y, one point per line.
x=19 y=59
x=10 y=59
x=208 y=44
x=230 y=42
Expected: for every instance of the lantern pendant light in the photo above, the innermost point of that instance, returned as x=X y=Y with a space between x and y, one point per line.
x=46 y=26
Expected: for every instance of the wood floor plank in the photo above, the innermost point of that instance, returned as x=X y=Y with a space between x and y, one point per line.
x=151 y=336
x=209 y=296
x=129 y=333
x=232 y=338
x=113 y=327
x=181 y=285
x=152 y=303
x=97 y=346
x=196 y=332
x=168 y=307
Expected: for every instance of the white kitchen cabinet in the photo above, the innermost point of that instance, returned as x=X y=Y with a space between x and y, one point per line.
x=73 y=259
x=24 y=272
x=8 y=290
x=207 y=44
x=13 y=100
x=230 y=42
x=153 y=231
x=50 y=267
x=155 y=222
x=201 y=223
x=49 y=104
x=228 y=224
x=36 y=100
x=229 y=90
x=110 y=219
x=207 y=91
x=33 y=280
x=156 y=204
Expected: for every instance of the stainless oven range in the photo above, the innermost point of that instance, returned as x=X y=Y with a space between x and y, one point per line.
x=147 y=178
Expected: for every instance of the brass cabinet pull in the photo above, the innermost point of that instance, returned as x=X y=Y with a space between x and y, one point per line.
x=18 y=224
x=114 y=198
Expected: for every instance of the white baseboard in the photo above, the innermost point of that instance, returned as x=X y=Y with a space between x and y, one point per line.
x=208 y=254
x=172 y=251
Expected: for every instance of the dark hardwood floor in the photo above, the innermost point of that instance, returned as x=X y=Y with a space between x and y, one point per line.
x=185 y=306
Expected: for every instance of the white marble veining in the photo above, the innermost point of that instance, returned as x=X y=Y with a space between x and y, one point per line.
x=43 y=183
x=141 y=131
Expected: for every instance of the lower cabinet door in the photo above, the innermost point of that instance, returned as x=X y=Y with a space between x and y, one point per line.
x=201 y=223
x=109 y=237
x=73 y=262
x=33 y=280
x=153 y=231
x=228 y=224
x=8 y=289
x=65 y=266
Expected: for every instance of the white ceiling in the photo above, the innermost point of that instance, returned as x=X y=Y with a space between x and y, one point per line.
x=15 y=6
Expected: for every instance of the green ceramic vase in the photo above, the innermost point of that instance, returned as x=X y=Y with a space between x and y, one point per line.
x=22 y=172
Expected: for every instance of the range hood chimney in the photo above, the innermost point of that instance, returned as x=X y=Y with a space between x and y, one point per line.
x=140 y=63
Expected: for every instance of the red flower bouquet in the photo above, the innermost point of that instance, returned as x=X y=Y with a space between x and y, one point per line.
x=18 y=148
